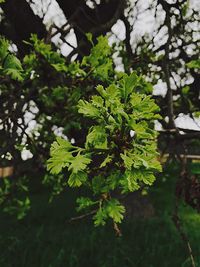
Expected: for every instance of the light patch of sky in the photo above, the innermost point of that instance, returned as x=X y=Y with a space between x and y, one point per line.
x=186 y=122
x=160 y=89
x=119 y=32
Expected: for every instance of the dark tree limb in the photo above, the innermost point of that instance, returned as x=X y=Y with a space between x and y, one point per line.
x=96 y=21
x=128 y=35
x=19 y=23
x=166 y=68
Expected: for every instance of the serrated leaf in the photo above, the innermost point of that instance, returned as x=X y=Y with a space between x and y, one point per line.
x=107 y=160
x=194 y=64
x=129 y=182
x=101 y=91
x=76 y=179
x=149 y=178
x=128 y=84
x=97 y=101
x=12 y=62
x=141 y=130
x=115 y=210
x=98 y=184
x=59 y=67
x=96 y=138
x=60 y=155
x=88 y=109
x=128 y=161
x=78 y=163
x=57 y=163
x=12 y=67
x=155 y=165
x=4 y=45
x=100 y=217
x=14 y=74
x=84 y=203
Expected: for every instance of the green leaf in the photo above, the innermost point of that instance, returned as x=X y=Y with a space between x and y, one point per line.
x=185 y=8
x=12 y=62
x=115 y=210
x=76 y=179
x=100 y=217
x=89 y=37
x=97 y=101
x=14 y=74
x=128 y=161
x=60 y=142
x=4 y=45
x=195 y=168
x=59 y=67
x=141 y=130
x=128 y=84
x=129 y=182
x=136 y=99
x=60 y=155
x=98 y=184
x=144 y=104
x=194 y=64
x=155 y=165
x=149 y=178
x=79 y=163
x=107 y=160
x=84 y=203
x=185 y=90
x=101 y=91
x=88 y=109
x=99 y=61
x=12 y=67
x=96 y=138
x=113 y=180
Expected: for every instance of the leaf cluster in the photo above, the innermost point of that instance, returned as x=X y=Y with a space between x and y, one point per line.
x=119 y=154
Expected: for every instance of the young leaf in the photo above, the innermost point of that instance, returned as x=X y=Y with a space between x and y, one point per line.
x=115 y=210
x=60 y=155
x=84 y=203
x=96 y=138
x=88 y=109
x=128 y=84
x=79 y=163
x=77 y=179
x=100 y=217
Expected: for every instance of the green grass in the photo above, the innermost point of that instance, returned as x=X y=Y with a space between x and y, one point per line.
x=46 y=239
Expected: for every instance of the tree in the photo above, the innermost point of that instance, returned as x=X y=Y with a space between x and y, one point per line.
x=46 y=83
x=107 y=159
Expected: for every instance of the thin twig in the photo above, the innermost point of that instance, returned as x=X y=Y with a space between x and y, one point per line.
x=117 y=229
x=82 y=216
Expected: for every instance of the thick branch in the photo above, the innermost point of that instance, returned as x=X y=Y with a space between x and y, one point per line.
x=20 y=22
x=97 y=21
x=166 y=68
